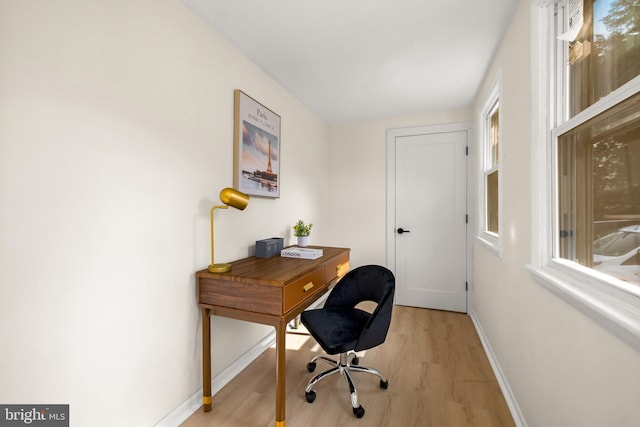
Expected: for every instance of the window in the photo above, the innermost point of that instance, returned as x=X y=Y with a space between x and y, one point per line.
x=599 y=186
x=598 y=154
x=587 y=232
x=490 y=136
x=606 y=53
x=491 y=173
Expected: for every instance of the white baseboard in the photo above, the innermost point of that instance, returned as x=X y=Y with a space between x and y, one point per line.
x=518 y=417
x=192 y=404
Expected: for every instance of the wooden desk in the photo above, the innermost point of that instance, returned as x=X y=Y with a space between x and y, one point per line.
x=271 y=291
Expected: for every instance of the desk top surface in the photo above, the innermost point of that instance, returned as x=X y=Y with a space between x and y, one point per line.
x=275 y=270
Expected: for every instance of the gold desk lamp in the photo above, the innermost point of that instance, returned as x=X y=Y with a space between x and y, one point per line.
x=235 y=199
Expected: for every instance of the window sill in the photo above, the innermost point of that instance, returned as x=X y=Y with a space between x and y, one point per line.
x=491 y=242
x=615 y=309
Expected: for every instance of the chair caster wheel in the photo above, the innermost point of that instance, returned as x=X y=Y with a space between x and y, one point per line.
x=310 y=395
x=355 y=360
x=358 y=412
x=384 y=384
x=311 y=366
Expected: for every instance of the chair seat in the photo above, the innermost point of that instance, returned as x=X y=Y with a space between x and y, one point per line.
x=337 y=330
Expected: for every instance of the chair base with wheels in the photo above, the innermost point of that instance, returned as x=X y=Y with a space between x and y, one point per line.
x=348 y=362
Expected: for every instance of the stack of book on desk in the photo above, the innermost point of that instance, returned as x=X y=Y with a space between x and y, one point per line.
x=304 y=253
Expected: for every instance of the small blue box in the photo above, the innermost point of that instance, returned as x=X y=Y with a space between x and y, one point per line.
x=267 y=248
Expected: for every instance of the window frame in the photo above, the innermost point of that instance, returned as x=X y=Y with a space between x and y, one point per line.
x=612 y=303
x=491 y=240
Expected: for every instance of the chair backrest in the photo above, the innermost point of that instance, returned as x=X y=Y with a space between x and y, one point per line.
x=367 y=283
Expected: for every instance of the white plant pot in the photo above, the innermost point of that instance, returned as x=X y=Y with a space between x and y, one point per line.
x=303 y=241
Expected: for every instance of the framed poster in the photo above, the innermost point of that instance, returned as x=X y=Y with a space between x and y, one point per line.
x=256 y=147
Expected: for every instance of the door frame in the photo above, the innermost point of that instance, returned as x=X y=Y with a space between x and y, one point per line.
x=392 y=134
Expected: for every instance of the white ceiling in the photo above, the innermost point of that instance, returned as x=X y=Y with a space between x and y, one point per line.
x=358 y=59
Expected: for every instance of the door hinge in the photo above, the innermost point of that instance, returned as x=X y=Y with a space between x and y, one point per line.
x=467 y=151
x=466 y=219
x=466 y=286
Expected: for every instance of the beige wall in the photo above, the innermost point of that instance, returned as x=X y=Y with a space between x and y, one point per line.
x=116 y=124
x=563 y=368
x=358 y=177
x=115 y=138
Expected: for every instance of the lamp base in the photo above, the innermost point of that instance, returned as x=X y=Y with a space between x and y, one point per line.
x=219 y=268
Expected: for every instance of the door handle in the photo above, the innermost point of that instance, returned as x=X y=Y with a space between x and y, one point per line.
x=402 y=230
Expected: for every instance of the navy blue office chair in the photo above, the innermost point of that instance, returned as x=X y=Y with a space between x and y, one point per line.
x=341 y=328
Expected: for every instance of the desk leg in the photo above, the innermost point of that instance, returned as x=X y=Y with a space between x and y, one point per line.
x=206 y=359
x=281 y=378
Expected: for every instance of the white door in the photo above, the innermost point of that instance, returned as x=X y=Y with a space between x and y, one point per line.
x=428 y=207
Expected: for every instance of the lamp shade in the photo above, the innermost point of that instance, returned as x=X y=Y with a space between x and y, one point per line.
x=234 y=198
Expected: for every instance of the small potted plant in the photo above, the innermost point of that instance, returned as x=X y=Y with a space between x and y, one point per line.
x=302 y=231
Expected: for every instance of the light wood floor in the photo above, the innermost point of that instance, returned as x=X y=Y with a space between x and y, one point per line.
x=438 y=376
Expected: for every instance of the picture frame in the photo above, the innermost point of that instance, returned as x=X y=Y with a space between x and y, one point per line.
x=256 y=147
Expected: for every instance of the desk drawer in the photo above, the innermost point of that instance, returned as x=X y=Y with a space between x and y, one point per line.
x=240 y=296
x=302 y=289
x=337 y=267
